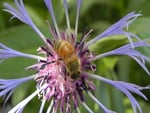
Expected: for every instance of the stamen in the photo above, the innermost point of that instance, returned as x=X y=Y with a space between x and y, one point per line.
x=43 y=61
x=77 y=17
x=87 y=108
x=22 y=104
x=80 y=93
x=48 y=50
x=42 y=106
x=44 y=49
x=49 y=42
x=78 y=110
x=48 y=3
x=52 y=31
x=7 y=96
x=50 y=107
x=100 y=104
x=80 y=47
x=67 y=16
x=85 y=35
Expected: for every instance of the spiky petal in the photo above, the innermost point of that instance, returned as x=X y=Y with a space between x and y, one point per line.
x=125 y=88
x=118 y=28
x=129 y=51
x=21 y=14
x=6 y=52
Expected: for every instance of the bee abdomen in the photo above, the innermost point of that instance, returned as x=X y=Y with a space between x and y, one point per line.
x=73 y=66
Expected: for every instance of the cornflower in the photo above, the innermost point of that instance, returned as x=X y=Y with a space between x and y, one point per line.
x=65 y=69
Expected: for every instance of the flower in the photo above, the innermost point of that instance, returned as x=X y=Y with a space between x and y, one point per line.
x=64 y=72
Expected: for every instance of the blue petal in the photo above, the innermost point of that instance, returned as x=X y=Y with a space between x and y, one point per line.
x=125 y=88
x=22 y=15
x=129 y=51
x=6 y=52
x=118 y=28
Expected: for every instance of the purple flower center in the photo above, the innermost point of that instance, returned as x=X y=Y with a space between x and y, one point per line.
x=62 y=72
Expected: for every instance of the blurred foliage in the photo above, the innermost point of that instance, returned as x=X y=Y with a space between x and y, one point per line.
x=94 y=14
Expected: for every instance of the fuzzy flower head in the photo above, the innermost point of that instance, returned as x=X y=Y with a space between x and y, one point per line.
x=62 y=74
x=65 y=69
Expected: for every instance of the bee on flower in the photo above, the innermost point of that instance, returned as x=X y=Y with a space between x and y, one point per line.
x=66 y=68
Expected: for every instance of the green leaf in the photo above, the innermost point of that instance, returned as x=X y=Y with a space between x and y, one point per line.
x=108 y=43
x=141 y=5
x=141 y=27
x=20 y=38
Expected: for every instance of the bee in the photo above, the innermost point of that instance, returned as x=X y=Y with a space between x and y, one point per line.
x=66 y=52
